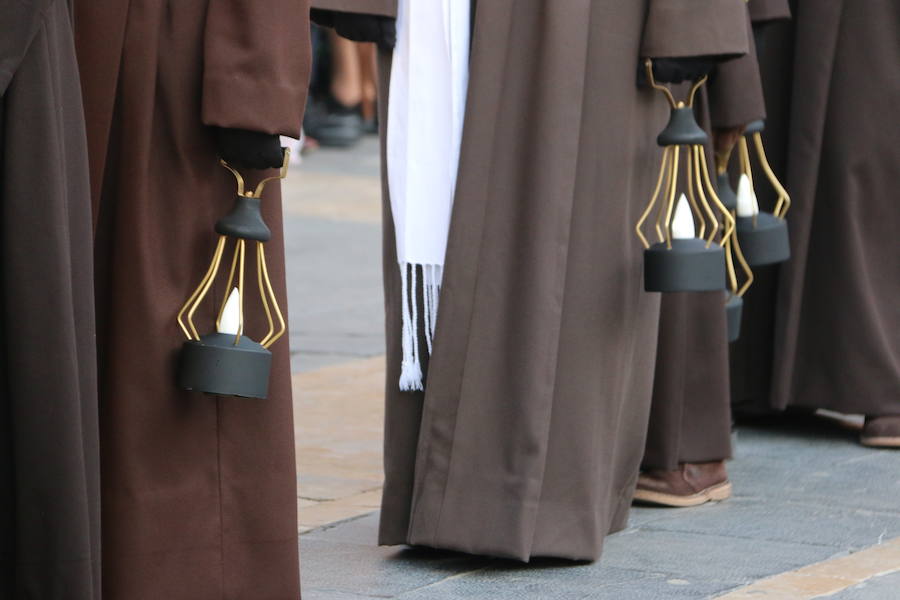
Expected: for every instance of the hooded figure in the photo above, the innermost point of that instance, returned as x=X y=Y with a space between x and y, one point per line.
x=49 y=461
x=689 y=436
x=199 y=491
x=527 y=438
x=823 y=327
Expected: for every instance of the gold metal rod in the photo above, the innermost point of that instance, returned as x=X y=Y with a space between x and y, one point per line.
x=227 y=287
x=281 y=174
x=744 y=154
x=282 y=326
x=722 y=160
x=201 y=291
x=241 y=245
x=696 y=151
x=784 y=199
x=237 y=176
x=697 y=85
x=661 y=211
x=689 y=177
x=673 y=186
x=648 y=66
x=711 y=191
x=729 y=265
x=747 y=169
x=262 y=294
x=649 y=209
x=209 y=273
x=744 y=265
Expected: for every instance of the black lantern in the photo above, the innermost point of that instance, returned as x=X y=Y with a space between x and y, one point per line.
x=734 y=257
x=227 y=362
x=763 y=235
x=689 y=260
x=734 y=297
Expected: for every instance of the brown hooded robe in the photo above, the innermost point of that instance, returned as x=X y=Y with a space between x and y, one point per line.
x=199 y=491
x=690 y=415
x=49 y=461
x=823 y=328
x=528 y=437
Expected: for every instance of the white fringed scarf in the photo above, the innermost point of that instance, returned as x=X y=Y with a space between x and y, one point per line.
x=429 y=77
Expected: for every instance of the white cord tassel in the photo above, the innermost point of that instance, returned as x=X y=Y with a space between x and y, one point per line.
x=435 y=296
x=411 y=367
x=427 y=284
x=411 y=377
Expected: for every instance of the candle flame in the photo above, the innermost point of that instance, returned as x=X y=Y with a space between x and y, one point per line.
x=231 y=315
x=747 y=204
x=683 y=221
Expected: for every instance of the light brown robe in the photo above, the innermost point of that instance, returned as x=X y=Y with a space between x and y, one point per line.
x=528 y=438
x=826 y=326
x=49 y=457
x=199 y=492
x=690 y=415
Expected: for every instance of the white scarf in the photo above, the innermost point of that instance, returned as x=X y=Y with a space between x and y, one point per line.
x=429 y=78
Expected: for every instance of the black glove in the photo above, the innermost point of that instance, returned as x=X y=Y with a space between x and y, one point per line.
x=358 y=27
x=676 y=70
x=249 y=149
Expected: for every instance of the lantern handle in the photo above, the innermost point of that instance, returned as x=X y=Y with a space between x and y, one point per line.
x=257 y=193
x=648 y=66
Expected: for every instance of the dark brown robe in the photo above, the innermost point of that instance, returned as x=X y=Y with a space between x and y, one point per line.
x=528 y=438
x=49 y=459
x=825 y=327
x=690 y=415
x=199 y=492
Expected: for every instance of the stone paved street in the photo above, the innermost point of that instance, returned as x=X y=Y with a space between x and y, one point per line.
x=813 y=514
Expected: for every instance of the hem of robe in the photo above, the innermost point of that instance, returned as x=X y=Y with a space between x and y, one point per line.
x=823 y=397
x=589 y=551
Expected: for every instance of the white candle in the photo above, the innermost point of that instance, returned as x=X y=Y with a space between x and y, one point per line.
x=231 y=316
x=747 y=205
x=683 y=221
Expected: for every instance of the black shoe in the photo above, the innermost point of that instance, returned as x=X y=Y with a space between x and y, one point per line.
x=331 y=123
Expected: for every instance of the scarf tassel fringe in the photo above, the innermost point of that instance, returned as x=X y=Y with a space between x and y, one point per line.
x=416 y=295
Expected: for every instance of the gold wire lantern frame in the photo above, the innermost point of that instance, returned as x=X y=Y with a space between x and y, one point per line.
x=784 y=199
x=733 y=251
x=266 y=291
x=700 y=191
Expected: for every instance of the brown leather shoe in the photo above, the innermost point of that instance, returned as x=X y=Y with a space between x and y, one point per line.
x=689 y=485
x=881 y=432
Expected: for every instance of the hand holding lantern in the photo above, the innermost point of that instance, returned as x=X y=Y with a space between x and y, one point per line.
x=227 y=362
x=680 y=262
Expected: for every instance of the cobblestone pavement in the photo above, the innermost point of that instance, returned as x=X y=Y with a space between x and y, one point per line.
x=814 y=514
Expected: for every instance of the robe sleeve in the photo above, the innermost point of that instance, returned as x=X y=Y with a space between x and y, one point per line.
x=736 y=93
x=256 y=65
x=680 y=28
x=762 y=11
x=20 y=22
x=384 y=8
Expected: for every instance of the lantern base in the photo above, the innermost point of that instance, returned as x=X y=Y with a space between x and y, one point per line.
x=766 y=243
x=688 y=267
x=734 y=309
x=215 y=365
